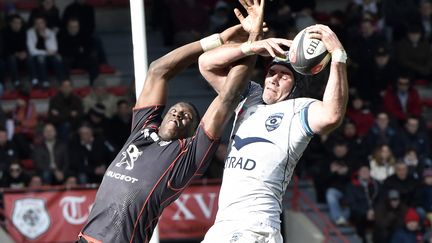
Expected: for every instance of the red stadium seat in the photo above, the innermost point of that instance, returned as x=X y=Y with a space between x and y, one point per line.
x=28 y=164
x=26 y=4
x=106 y=69
x=82 y=91
x=40 y=93
x=10 y=95
x=117 y=90
x=77 y=71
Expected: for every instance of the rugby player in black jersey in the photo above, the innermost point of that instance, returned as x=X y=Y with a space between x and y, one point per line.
x=161 y=156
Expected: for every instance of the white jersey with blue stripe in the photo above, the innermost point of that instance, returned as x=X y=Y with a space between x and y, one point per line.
x=267 y=141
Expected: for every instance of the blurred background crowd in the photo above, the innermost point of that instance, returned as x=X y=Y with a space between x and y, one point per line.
x=374 y=172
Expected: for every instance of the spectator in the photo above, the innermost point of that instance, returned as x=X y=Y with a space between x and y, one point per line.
x=96 y=118
x=25 y=120
x=99 y=95
x=361 y=194
x=77 y=49
x=305 y=17
x=364 y=42
x=376 y=76
x=396 y=14
x=15 y=44
x=382 y=163
x=51 y=157
x=337 y=181
x=3 y=117
x=8 y=152
x=195 y=19
x=355 y=143
x=85 y=14
x=65 y=110
x=326 y=171
x=219 y=19
x=414 y=54
x=348 y=132
x=279 y=15
x=2 y=67
x=426 y=18
x=43 y=48
x=88 y=156
x=15 y=177
x=49 y=11
x=311 y=163
x=71 y=182
x=405 y=184
x=410 y=233
x=25 y=116
x=382 y=132
x=415 y=165
x=35 y=182
x=356 y=9
x=389 y=216
x=427 y=193
x=120 y=124
x=413 y=137
x=402 y=100
x=337 y=22
x=360 y=115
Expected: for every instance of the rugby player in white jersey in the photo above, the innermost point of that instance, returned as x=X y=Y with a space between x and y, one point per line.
x=271 y=130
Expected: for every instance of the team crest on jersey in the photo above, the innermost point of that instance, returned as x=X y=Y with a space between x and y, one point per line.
x=129 y=157
x=274 y=121
x=30 y=217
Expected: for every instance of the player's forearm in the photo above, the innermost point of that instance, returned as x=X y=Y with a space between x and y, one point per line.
x=175 y=61
x=336 y=94
x=237 y=80
x=220 y=58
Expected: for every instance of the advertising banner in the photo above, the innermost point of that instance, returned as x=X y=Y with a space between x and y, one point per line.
x=58 y=215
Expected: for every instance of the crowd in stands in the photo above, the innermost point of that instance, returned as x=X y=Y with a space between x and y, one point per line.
x=31 y=49
x=374 y=172
x=72 y=142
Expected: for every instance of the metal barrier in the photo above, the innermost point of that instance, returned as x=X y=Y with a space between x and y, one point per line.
x=307 y=203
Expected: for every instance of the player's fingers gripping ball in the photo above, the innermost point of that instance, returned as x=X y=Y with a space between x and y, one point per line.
x=307 y=55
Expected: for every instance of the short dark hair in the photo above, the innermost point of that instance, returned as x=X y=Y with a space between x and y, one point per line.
x=197 y=117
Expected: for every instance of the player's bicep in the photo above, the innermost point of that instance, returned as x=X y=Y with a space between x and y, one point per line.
x=318 y=119
x=154 y=92
x=214 y=76
x=217 y=116
x=199 y=151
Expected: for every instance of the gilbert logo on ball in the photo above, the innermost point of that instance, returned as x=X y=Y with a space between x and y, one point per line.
x=308 y=56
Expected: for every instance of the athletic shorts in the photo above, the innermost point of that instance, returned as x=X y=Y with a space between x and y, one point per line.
x=235 y=232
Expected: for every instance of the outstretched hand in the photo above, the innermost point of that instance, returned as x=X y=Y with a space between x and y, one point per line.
x=270 y=47
x=253 y=23
x=326 y=35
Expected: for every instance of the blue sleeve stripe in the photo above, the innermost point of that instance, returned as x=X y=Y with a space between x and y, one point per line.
x=304 y=120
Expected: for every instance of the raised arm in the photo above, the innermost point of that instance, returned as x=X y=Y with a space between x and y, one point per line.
x=325 y=116
x=215 y=64
x=155 y=90
x=230 y=90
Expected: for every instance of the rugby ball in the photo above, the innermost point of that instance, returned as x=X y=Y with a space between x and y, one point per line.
x=308 y=56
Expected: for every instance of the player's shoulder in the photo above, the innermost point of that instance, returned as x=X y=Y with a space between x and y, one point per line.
x=300 y=103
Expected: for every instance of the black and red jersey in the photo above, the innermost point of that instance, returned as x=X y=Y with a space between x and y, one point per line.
x=144 y=178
